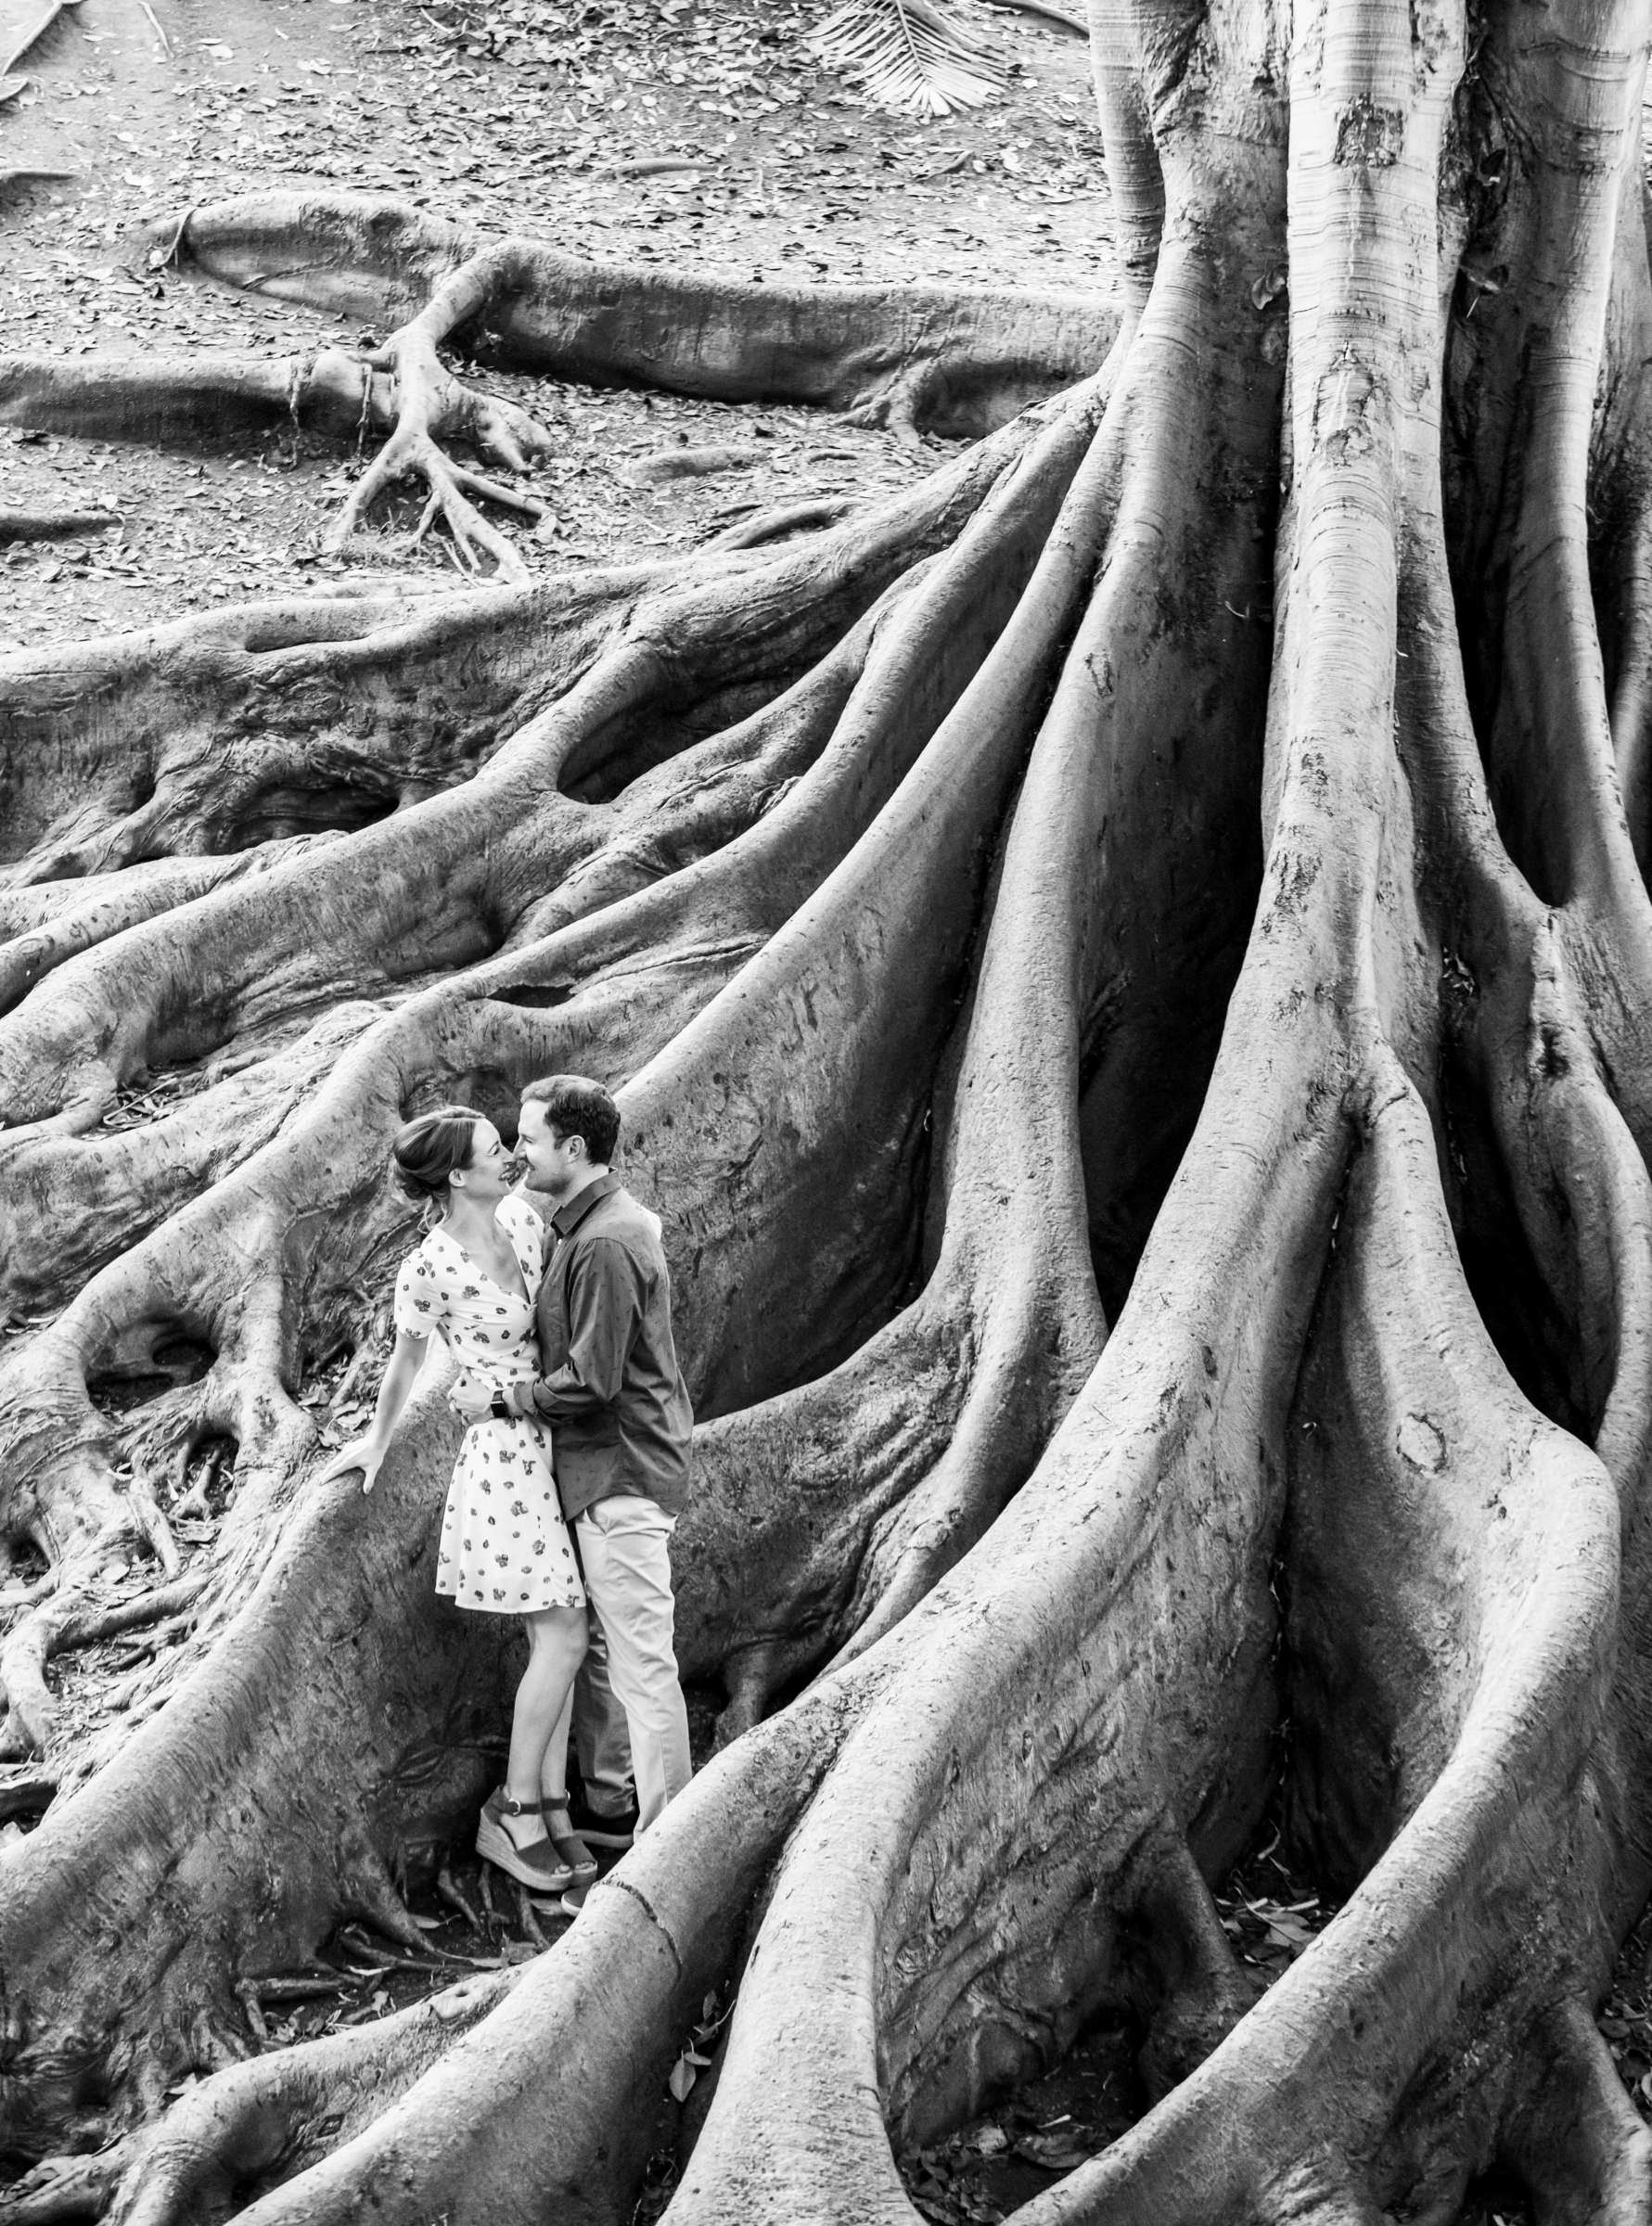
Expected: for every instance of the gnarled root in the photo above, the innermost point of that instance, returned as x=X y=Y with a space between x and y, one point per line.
x=258 y=2119
x=440 y=883
x=953 y=363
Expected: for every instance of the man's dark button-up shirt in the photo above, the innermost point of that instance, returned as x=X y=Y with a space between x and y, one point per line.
x=611 y=1390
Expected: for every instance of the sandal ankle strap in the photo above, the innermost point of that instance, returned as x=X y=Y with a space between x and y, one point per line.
x=539 y=1807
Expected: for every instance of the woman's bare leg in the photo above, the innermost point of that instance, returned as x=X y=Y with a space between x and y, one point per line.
x=556 y=1645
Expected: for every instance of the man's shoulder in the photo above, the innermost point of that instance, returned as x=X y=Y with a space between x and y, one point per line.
x=618 y=1218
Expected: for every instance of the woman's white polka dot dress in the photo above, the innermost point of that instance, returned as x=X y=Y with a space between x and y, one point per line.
x=505 y=1547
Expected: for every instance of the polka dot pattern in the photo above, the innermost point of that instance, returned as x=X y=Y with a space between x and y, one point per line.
x=504 y=1548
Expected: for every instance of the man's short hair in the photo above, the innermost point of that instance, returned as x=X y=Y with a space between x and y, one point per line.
x=575 y=1106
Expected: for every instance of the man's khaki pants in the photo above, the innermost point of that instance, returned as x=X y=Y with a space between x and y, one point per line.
x=624 y=1550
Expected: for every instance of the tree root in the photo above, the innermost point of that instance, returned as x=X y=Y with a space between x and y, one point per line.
x=1576 y=2138
x=257 y=2117
x=921 y=358
x=61 y=1629
x=128 y=1310
x=441 y=883
x=430 y=403
x=835 y=1047
x=53 y=525
x=832 y=1510
x=911 y=356
x=849 y=775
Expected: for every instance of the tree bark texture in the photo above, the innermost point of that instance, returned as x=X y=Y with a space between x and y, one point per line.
x=1129 y=976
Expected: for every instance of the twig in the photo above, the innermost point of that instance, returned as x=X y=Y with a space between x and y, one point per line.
x=447 y=1887
x=297 y=1990
x=246 y=1994
x=382 y=1961
x=528 y=1920
x=161 y=258
x=154 y=19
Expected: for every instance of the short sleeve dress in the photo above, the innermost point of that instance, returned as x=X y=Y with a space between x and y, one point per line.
x=505 y=1547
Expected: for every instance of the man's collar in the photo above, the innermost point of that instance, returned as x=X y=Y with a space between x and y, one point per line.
x=566 y=1219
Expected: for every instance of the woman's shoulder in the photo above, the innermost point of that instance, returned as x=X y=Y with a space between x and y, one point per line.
x=426 y=1250
x=420 y=1265
x=421 y=1299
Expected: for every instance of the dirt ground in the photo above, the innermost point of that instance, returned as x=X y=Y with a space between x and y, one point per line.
x=521 y=116
x=512 y=116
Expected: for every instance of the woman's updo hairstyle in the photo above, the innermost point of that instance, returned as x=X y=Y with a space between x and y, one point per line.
x=427 y=1151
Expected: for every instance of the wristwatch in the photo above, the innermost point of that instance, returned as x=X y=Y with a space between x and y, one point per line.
x=498 y=1409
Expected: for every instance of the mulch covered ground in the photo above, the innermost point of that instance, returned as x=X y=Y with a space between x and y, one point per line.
x=516 y=117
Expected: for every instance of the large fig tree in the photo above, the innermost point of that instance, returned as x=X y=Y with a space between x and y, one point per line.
x=1129 y=974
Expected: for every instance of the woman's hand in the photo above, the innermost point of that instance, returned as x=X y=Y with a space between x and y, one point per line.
x=470 y=1397
x=366 y=1454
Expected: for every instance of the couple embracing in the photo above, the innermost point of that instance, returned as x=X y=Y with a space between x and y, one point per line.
x=574 y=1465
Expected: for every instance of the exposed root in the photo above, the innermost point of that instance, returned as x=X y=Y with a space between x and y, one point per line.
x=181 y=397
x=61 y=1629
x=872 y=747
x=982 y=357
x=1577 y=2140
x=429 y=402
x=53 y=525
x=1535 y=670
x=441 y=883
x=605 y=2010
x=836 y=1509
x=233 y=1724
x=261 y=2118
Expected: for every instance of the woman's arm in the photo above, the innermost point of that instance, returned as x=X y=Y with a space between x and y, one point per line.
x=367 y=1453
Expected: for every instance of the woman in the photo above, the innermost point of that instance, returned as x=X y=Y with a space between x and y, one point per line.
x=504 y=1548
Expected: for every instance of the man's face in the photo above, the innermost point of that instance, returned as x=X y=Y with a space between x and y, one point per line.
x=556 y=1165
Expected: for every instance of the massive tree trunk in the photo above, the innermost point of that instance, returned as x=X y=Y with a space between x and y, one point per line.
x=1129 y=976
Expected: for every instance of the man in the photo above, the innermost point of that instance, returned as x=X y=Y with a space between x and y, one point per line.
x=619 y=1416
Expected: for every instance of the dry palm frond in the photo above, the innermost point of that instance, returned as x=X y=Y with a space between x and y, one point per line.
x=906 y=54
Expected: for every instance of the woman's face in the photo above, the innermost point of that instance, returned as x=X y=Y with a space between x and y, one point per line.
x=491 y=1169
